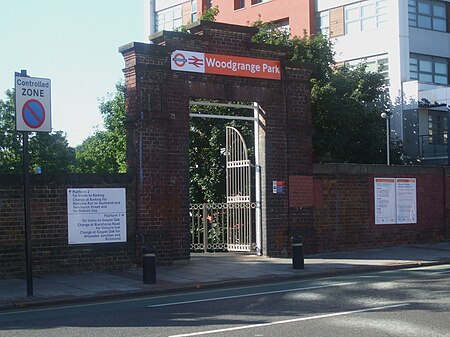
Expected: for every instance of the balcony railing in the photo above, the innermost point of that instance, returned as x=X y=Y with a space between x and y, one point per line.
x=433 y=146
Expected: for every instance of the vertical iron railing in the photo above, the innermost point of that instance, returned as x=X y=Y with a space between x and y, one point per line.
x=208 y=227
x=433 y=146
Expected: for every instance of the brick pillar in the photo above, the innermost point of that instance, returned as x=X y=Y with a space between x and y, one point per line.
x=158 y=143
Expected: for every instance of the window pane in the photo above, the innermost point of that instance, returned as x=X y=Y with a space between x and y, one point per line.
x=177 y=22
x=368 y=24
x=368 y=10
x=439 y=10
x=425 y=66
x=168 y=15
x=440 y=68
x=426 y=78
x=324 y=19
x=440 y=79
x=382 y=20
x=439 y=24
x=372 y=66
x=352 y=27
x=424 y=21
x=424 y=8
x=352 y=13
x=381 y=10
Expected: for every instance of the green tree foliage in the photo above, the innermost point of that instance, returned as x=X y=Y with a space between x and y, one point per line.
x=49 y=151
x=105 y=151
x=210 y=14
x=10 y=140
x=346 y=116
x=346 y=102
x=316 y=50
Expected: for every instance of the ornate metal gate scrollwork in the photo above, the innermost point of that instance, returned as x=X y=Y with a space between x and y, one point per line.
x=239 y=220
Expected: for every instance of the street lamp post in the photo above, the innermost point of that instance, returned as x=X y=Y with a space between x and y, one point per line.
x=387 y=116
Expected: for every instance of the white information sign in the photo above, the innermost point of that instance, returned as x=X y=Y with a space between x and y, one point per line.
x=406 y=200
x=33 y=104
x=96 y=215
x=385 y=210
x=395 y=201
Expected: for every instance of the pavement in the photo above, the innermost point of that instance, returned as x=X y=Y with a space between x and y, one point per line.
x=211 y=270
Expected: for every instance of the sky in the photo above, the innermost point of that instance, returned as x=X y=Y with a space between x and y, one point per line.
x=74 y=44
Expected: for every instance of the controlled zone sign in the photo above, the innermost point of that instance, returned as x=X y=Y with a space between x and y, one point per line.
x=33 y=104
x=190 y=61
x=96 y=215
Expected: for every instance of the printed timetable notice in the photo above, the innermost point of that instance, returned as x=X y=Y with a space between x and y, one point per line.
x=96 y=215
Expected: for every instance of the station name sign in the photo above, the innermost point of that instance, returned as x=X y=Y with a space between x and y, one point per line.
x=205 y=63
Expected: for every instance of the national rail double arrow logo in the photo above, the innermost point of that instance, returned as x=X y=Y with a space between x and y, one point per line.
x=180 y=60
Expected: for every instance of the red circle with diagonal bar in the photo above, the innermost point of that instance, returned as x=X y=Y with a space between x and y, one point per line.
x=33 y=113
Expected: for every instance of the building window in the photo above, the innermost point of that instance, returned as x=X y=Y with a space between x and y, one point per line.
x=169 y=19
x=437 y=128
x=365 y=16
x=193 y=10
x=323 y=23
x=428 y=14
x=238 y=4
x=428 y=69
x=254 y=2
x=376 y=64
x=282 y=25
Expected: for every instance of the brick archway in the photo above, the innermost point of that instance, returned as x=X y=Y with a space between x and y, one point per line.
x=158 y=134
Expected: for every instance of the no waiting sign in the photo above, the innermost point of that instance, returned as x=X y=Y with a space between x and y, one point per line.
x=33 y=104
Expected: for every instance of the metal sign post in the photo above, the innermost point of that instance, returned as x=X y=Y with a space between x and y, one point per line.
x=26 y=205
x=33 y=111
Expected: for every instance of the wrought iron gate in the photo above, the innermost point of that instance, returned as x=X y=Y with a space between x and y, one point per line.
x=236 y=224
x=239 y=221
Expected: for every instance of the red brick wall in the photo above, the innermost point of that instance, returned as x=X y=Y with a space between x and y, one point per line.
x=50 y=250
x=344 y=207
x=342 y=213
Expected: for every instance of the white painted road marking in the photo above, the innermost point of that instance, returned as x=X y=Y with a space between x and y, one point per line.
x=249 y=295
x=291 y=320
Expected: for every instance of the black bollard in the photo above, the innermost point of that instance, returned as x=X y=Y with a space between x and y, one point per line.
x=298 y=259
x=149 y=265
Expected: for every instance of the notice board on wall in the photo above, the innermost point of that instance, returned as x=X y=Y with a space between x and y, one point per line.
x=395 y=201
x=96 y=215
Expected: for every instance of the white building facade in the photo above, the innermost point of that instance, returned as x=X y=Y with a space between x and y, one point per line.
x=169 y=14
x=408 y=41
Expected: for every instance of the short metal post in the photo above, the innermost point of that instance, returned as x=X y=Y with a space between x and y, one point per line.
x=149 y=265
x=298 y=259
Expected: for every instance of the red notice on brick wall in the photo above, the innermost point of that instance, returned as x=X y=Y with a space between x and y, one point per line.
x=301 y=191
